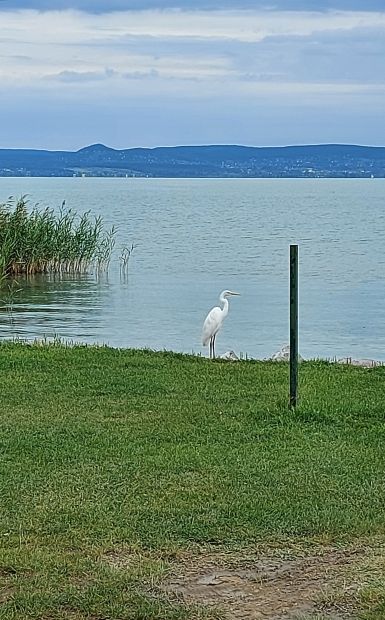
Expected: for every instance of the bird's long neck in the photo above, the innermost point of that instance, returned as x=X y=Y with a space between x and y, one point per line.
x=225 y=302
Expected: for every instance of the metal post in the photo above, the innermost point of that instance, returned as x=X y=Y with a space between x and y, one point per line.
x=293 y=325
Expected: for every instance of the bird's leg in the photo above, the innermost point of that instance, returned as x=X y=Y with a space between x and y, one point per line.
x=214 y=346
x=211 y=347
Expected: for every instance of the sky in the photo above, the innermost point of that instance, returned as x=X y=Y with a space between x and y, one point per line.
x=129 y=73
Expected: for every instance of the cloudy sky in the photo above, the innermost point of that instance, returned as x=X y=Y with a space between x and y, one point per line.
x=164 y=72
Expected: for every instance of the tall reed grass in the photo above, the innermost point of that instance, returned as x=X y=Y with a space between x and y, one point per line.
x=45 y=241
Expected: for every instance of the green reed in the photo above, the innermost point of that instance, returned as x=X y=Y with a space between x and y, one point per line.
x=44 y=241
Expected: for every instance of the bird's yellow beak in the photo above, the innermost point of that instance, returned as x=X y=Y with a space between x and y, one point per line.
x=231 y=293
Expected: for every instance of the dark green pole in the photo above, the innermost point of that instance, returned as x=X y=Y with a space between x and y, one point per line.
x=293 y=325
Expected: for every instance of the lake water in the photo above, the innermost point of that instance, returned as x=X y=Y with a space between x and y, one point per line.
x=196 y=237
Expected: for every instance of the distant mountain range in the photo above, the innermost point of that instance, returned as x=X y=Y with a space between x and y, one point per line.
x=324 y=160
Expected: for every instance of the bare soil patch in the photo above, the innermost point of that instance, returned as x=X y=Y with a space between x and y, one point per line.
x=268 y=587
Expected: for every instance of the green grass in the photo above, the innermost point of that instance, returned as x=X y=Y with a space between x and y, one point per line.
x=43 y=241
x=148 y=453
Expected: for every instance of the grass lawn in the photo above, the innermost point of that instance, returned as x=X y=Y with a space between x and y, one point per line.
x=121 y=469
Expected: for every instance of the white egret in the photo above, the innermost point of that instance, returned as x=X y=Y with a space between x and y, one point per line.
x=214 y=320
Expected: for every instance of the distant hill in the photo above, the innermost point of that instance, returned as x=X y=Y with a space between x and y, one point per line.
x=323 y=160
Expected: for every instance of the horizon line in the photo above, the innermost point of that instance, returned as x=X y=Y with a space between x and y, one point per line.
x=209 y=145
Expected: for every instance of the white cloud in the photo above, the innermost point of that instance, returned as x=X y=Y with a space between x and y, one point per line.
x=197 y=58
x=75 y=27
x=71 y=43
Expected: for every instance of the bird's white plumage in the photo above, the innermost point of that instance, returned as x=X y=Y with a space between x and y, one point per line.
x=214 y=320
x=212 y=324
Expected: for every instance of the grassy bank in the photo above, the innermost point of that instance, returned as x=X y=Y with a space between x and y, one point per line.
x=115 y=464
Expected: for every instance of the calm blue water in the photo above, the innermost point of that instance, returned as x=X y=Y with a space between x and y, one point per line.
x=196 y=237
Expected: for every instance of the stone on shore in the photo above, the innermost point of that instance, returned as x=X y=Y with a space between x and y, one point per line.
x=231 y=356
x=283 y=355
x=364 y=363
